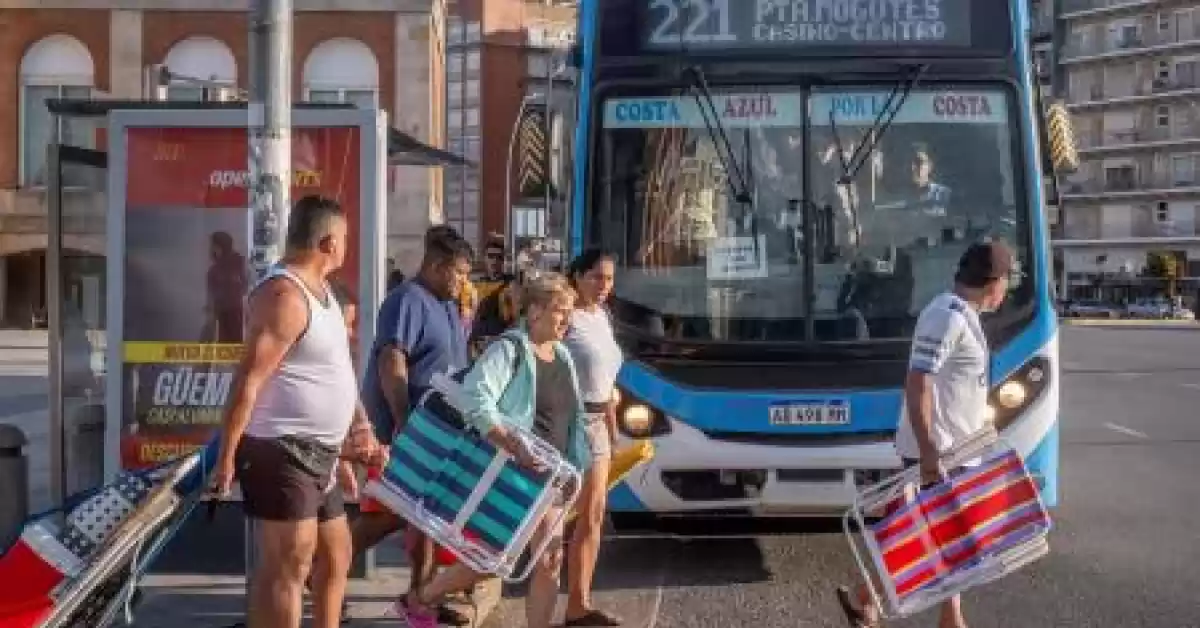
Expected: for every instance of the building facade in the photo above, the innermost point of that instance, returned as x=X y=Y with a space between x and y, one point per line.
x=1130 y=73
x=374 y=53
x=506 y=66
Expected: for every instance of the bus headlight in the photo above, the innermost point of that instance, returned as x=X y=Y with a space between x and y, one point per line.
x=636 y=419
x=1014 y=395
x=1010 y=394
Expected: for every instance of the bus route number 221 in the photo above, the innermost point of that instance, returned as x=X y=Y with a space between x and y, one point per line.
x=681 y=22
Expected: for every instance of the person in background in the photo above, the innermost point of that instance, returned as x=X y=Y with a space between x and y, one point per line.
x=419 y=334
x=349 y=313
x=395 y=278
x=294 y=412
x=496 y=311
x=597 y=358
x=347 y=473
x=537 y=391
x=468 y=304
x=946 y=390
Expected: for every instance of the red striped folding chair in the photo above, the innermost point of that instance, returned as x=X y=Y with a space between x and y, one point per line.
x=985 y=521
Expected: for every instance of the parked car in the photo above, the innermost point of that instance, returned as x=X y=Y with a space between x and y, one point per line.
x=1092 y=309
x=1182 y=313
x=1149 y=308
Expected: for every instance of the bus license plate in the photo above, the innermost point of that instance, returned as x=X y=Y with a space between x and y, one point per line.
x=811 y=413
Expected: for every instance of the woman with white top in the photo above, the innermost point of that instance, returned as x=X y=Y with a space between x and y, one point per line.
x=597 y=359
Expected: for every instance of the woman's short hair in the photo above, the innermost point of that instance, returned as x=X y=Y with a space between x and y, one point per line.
x=543 y=289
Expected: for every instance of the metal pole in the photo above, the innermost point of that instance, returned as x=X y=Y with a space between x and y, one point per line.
x=270 y=149
x=549 y=124
x=463 y=53
x=54 y=289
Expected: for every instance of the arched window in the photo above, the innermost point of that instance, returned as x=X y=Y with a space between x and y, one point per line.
x=202 y=59
x=342 y=70
x=58 y=66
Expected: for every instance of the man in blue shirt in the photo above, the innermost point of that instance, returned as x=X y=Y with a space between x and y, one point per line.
x=419 y=334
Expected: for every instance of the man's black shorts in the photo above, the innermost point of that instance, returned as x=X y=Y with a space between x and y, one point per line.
x=275 y=488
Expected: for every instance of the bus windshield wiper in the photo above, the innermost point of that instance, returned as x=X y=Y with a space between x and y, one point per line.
x=883 y=121
x=865 y=148
x=735 y=178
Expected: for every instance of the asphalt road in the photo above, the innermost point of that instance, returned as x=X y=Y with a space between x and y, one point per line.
x=1125 y=553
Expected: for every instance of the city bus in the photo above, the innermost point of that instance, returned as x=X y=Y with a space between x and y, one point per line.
x=785 y=184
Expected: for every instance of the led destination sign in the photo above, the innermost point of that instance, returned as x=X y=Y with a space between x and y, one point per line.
x=716 y=25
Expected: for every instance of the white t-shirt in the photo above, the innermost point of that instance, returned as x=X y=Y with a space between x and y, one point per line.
x=596 y=354
x=950 y=346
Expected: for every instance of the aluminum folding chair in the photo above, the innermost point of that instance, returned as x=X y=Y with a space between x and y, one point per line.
x=469 y=496
x=983 y=522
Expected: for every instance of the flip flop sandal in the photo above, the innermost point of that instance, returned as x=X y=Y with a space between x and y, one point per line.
x=451 y=617
x=593 y=618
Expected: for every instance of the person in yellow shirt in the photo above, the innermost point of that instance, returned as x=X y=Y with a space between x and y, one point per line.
x=495 y=291
x=468 y=302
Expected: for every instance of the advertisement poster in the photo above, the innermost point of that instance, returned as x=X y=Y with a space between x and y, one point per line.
x=187 y=272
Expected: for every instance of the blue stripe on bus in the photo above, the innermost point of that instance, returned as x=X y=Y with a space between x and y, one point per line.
x=1042 y=463
x=588 y=18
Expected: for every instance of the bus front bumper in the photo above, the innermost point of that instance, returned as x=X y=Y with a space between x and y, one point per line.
x=692 y=472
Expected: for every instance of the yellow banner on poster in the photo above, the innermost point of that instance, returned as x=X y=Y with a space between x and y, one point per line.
x=182 y=353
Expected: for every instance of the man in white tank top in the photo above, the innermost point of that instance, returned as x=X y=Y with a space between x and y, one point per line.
x=294 y=401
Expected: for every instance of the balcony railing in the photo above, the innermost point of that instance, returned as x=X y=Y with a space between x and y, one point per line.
x=1143 y=41
x=1160 y=86
x=1078 y=6
x=1099 y=93
x=1140 y=229
x=1043 y=25
x=1151 y=182
x=1134 y=137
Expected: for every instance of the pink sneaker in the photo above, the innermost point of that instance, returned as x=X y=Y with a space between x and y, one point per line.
x=412 y=617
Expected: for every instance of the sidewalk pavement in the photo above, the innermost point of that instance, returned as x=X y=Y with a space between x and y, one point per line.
x=1130 y=322
x=206 y=601
x=24 y=390
x=218 y=600
x=23 y=354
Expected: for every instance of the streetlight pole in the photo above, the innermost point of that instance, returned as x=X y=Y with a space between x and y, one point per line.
x=270 y=120
x=270 y=153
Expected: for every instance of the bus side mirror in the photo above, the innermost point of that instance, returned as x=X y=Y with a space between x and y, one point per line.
x=1064 y=155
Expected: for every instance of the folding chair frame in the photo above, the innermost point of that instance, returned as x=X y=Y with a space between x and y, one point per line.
x=874 y=498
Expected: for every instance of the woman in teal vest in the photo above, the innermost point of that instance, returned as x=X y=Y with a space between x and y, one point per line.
x=525 y=380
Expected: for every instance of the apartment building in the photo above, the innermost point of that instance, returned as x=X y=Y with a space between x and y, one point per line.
x=1130 y=73
x=510 y=105
x=374 y=53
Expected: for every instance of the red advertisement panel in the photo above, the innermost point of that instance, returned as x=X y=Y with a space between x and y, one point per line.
x=187 y=272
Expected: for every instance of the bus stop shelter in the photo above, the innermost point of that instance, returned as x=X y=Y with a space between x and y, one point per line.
x=79 y=274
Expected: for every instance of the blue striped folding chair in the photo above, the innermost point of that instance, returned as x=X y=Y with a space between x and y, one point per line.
x=471 y=497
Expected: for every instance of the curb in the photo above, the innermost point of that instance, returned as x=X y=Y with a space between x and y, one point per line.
x=1128 y=322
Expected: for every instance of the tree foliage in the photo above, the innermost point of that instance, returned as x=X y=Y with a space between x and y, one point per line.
x=1161 y=265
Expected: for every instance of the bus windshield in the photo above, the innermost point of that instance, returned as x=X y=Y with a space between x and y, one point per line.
x=698 y=265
